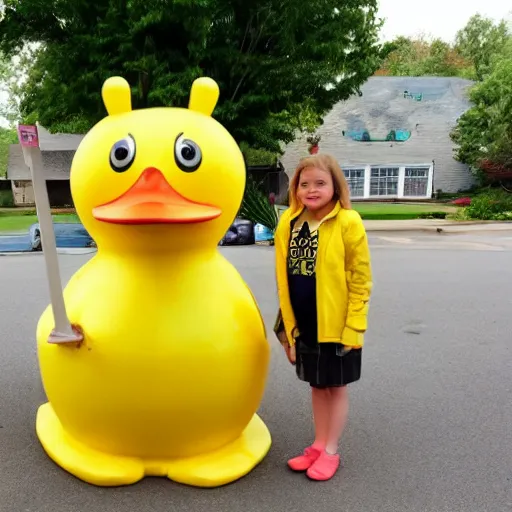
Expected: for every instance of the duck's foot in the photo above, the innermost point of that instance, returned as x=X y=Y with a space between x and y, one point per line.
x=213 y=469
x=89 y=465
x=227 y=464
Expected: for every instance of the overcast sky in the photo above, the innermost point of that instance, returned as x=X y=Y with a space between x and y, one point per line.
x=439 y=18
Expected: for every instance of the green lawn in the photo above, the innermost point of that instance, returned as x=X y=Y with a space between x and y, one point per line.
x=400 y=211
x=20 y=221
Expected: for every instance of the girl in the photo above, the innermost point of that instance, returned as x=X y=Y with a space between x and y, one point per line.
x=324 y=283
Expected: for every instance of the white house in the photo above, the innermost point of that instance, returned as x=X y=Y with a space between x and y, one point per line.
x=393 y=141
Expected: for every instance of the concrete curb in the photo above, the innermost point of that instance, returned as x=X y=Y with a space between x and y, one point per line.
x=436 y=229
x=436 y=226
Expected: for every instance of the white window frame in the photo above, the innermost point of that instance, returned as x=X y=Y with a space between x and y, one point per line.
x=401 y=179
x=429 y=180
x=399 y=185
x=358 y=168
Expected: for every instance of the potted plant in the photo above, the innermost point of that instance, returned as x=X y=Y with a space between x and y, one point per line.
x=313 y=141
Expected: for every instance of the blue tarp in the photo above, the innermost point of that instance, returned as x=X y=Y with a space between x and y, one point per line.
x=262 y=233
x=15 y=243
x=66 y=235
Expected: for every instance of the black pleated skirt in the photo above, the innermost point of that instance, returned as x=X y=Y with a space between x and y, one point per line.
x=325 y=365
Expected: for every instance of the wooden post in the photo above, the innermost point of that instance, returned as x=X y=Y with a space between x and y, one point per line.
x=63 y=331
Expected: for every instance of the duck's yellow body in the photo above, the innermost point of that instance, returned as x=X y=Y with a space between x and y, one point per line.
x=174 y=361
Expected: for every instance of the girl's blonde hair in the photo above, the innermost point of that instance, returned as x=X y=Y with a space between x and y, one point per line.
x=328 y=164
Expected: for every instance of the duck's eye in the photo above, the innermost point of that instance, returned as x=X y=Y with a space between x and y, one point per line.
x=187 y=154
x=122 y=154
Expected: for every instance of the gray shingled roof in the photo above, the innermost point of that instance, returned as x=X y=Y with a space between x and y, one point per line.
x=58 y=141
x=382 y=106
x=57 y=149
x=56 y=164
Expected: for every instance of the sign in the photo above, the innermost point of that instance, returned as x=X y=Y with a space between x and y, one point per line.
x=28 y=136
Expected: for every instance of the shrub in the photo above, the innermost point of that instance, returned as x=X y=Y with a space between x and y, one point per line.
x=6 y=199
x=258 y=156
x=492 y=205
x=433 y=215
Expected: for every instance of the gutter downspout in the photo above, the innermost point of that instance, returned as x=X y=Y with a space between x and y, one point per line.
x=433 y=194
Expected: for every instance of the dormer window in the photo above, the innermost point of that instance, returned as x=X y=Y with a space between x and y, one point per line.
x=365 y=136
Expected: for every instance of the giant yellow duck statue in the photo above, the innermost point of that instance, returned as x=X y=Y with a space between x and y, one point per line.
x=174 y=359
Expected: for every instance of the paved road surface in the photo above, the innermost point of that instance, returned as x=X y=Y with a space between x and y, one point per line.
x=431 y=420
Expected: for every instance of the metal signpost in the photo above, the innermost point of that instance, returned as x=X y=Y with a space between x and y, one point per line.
x=63 y=331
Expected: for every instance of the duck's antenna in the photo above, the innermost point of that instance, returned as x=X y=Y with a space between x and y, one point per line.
x=63 y=331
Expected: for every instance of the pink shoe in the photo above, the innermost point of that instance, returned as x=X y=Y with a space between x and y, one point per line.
x=325 y=467
x=304 y=461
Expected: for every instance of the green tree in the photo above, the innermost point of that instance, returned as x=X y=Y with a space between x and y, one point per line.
x=7 y=136
x=484 y=133
x=13 y=74
x=422 y=57
x=480 y=41
x=280 y=64
x=4 y=78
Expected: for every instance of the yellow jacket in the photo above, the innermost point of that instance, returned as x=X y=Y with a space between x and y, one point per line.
x=344 y=279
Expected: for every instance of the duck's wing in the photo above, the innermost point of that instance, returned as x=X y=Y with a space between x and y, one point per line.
x=258 y=309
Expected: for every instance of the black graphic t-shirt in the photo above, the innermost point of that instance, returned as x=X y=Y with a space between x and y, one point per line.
x=301 y=276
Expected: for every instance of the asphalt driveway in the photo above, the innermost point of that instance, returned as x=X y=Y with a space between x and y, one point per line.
x=431 y=420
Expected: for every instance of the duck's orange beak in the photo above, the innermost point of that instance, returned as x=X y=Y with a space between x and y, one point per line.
x=151 y=200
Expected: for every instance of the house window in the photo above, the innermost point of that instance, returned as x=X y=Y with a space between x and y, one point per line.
x=416 y=181
x=355 y=180
x=384 y=181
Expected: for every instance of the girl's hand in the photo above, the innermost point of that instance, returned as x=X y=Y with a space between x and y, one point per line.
x=290 y=352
